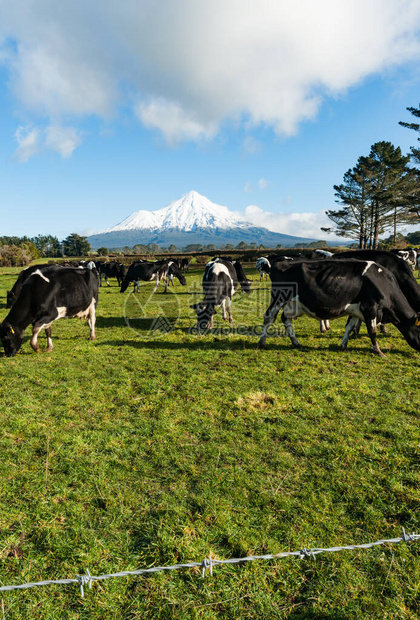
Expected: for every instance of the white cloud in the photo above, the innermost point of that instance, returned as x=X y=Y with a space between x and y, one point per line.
x=188 y=66
x=262 y=184
x=29 y=143
x=175 y=123
x=248 y=188
x=32 y=141
x=299 y=224
x=63 y=140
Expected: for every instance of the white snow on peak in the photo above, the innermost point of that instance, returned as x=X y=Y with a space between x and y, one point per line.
x=191 y=212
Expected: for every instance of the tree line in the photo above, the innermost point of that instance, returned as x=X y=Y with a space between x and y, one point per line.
x=380 y=194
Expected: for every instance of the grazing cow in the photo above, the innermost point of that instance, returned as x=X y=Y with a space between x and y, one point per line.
x=185 y=264
x=318 y=254
x=242 y=279
x=113 y=269
x=409 y=255
x=22 y=277
x=220 y=283
x=399 y=267
x=47 y=295
x=324 y=326
x=149 y=271
x=263 y=266
x=329 y=289
x=173 y=271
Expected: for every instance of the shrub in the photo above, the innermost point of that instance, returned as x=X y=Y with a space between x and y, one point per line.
x=14 y=256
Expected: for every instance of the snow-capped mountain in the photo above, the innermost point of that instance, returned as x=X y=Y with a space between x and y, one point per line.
x=191 y=212
x=191 y=219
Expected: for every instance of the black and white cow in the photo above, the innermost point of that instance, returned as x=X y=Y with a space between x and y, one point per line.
x=47 y=295
x=400 y=268
x=263 y=267
x=242 y=279
x=329 y=289
x=173 y=271
x=149 y=271
x=185 y=264
x=220 y=283
x=113 y=269
x=319 y=254
x=409 y=255
x=22 y=277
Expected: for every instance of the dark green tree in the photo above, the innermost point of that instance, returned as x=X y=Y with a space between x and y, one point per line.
x=413 y=238
x=140 y=248
x=47 y=245
x=76 y=245
x=414 y=195
x=374 y=197
x=103 y=251
x=415 y=152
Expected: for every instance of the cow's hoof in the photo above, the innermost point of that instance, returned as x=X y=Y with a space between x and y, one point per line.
x=262 y=346
x=92 y=337
x=379 y=353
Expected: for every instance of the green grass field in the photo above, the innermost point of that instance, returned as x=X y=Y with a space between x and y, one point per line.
x=151 y=447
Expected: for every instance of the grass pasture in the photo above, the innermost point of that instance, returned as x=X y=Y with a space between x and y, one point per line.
x=151 y=447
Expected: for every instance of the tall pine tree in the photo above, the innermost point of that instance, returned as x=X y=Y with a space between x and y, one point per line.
x=373 y=196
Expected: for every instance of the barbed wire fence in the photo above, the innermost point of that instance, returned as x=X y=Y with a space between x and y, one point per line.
x=209 y=563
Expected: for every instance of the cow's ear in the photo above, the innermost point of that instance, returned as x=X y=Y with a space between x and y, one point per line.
x=194 y=306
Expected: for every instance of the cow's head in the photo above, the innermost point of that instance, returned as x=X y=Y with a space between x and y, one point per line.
x=183 y=280
x=246 y=286
x=11 y=339
x=204 y=312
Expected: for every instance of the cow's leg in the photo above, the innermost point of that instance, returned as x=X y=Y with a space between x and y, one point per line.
x=352 y=321
x=49 y=339
x=322 y=327
x=106 y=280
x=288 y=324
x=356 y=328
x=383 y=329
x=269 y=317
x=157 y=284
x=229 y=309
x=223 y=306
x=35 y=332
x=371 y=325
x=92 y=320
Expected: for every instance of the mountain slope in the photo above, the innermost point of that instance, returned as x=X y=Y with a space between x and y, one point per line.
x=191 y=219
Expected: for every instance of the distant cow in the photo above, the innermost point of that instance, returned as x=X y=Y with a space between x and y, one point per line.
x=47 y=295
x=185 y=264
x=113 y=269
x=149 y=271
x=263 y=266
x=329 y=289
x=220 y=283
x=319 y=254
x=409 y=255
x=173 y=271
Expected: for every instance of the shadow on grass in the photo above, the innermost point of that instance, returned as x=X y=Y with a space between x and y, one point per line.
x=195 y=344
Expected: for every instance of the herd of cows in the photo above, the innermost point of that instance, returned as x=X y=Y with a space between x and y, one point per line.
x=374 y=287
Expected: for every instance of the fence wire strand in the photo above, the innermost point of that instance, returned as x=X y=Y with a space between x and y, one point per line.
x=209 y=563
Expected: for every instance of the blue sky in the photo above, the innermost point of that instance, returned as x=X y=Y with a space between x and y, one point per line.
x=261 y=107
